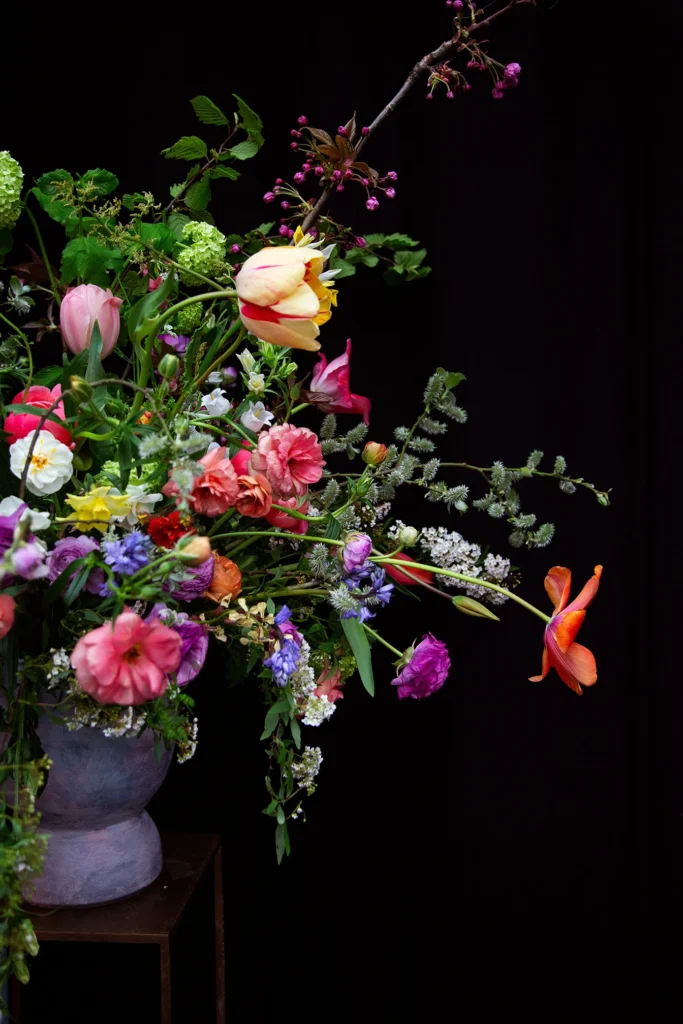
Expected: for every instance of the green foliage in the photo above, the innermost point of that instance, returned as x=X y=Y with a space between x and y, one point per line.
x=87 y=259
x=221 y=171
x=190 y=147
x=250 y=121
x=198 y=196
x=207 y=111
x=98 y=183
x=244 y=150
x=358 y=642
x=160 y=236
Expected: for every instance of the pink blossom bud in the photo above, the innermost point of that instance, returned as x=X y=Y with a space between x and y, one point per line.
x=269 y=197
x=340 y=188
x=235 y=248
x=284 y=204
x=348 y=174
x=497 y=94
x=392 y=175
x=294 y=145
x=302 y=120
x=365 y=181
x=290 y=233
x=458 y=4
x=299 y=177
x=283 y=230
x=313 y=233
x=372 y=203
x=360 y=242
x=512 y=70
x=279 y=181
x=467 y=87
x=390 y=193
x=336 y=175
x=365 y=131
x=318 y=171
x=81 y=308
x=295 y=133
x=430 y=96
x=450 y=94
x=341 y=130
x=305 y=167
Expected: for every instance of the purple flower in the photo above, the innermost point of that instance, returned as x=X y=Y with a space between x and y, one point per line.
x=284 y=629
x=195 y=641
x=427 y=670
x=299 y=177
x=357 y=547
x=372 y=203
x=178 y=342
x=380 y=590
x=512 y=70
x=269 y=197
x=282 y=616
x=390 y=193
x=230 y=376
x=130 y=554
x=66 y=551
x=283 y=662
x=28 y=561
x=8 y=525
x=196 y=581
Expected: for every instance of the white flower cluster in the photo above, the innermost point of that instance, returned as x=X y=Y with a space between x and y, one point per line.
x=187 y=748
x=126 y=724
x=316 y=710
x=307 y=767
x=60 y=667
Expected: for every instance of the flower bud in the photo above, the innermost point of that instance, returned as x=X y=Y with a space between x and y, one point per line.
x=145 y=418
x=149 y=593
x=468 y=606
x=82 y=460
x=408 y=536
x=247 y=360
x=374 y=453
x=194 y=550
x=169 y=366
x=80 y=389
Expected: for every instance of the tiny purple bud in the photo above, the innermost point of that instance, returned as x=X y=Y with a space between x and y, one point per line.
x=279 y=181
x=318 y=171
x=430 y=96
x=283 y=230
x=336 y=175
x=348 y=174
x=512 y=70
x=302 y=120
x=269 y=197
x=365 y=130
x=360 y=242
x=390 y=193
x=365 y=181
x=458 y=4
x=284 y=204
x=340 y=188
x=392 y=175
x=290 y=233
x=295 y=134
x=372 y=203
x=497 y=94
x=313 y=233
x=299 y=177
x=305 y=167
x=235 y=248
x=341 y=130
x=294 y=145
x=450 y=94
x=466 y=87
x=230 y=376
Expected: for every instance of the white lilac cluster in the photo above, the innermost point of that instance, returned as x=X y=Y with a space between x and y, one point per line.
x=448 y=549
x=316 y=710
x=187 y=747
x=127 y=723
x=307 y=768
x=60 y=667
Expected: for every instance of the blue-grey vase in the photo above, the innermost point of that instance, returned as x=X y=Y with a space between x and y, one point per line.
x=102 y=844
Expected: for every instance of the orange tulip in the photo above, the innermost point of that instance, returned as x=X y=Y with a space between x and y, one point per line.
x=573 y=663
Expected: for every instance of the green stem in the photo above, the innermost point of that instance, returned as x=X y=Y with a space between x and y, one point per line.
x=226 y=355
x=227 y=293
x=223 y=519
x=381 y=639
x=282 y=536
x=293 y=592
x=526 y=471
x=297 y=408
x=466 y=579
x=43 y=253
x=25 y=342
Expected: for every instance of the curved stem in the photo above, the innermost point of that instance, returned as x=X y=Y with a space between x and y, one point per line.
x=25 y=342
x=43 y=253
x=227 y=293
x=226 y=355
x=381 y=639
x=282 y=536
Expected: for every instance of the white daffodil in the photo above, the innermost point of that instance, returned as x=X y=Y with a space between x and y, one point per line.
x=51 y=462
x=256 y=416
x=256 y=383
x=214 y=402
x=38 y=520
x=141 y=503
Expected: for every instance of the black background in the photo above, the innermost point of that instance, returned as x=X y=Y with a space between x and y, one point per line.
x=499 y=821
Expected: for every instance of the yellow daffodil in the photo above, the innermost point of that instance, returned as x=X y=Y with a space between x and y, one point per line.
x=96 y=509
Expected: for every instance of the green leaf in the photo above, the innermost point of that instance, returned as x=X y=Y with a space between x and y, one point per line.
x=207 y=111
x=358 y=641
x=453 y=379
x=54 y=208
x=77 y=583
x=144 y=309
x=190 y=147
x=333 y=531
x=251 y=122
x=55 y=589
x=345 y=269
x=125 y=459
x=176 y=223
x=409 y=260
x=281 y=842
x=158 y=235
x=280 y=815
x=158 y=747
x=225 y=172
x=104 y=181
x=360 y=255
x=395 y=240
x=270 y=606
x=263 y=229
x=85 y=256
x=296 y=733
x=272 y=806
x=198 y=196
x=48 y=376
x=270 y=724
x=6 y=242
x=94 y=369
x=245 y=150
x=47 y=182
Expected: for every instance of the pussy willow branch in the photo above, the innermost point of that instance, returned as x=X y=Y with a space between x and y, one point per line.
x=420 y=68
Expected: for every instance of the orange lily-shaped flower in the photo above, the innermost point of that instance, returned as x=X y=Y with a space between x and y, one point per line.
x=573 y=663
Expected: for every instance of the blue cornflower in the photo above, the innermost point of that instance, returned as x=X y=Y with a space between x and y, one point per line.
x=128 y=555
x=283 y=662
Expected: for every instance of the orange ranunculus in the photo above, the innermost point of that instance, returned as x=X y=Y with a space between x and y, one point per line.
x=227 y=581
x=574 y=664
x=255 y=496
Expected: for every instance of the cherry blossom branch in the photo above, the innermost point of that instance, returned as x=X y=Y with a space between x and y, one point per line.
x=420 y=68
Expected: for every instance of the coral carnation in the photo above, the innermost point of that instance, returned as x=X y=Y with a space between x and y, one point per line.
x=291 y=458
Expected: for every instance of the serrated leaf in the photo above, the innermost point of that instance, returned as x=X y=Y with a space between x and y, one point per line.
x=453 y=379
x=85 y=256
x=189 y=147
x=46 y=182
x=198 y=196
x=397 y=239
x=375 y=239
x=263 y=229
x=158 y=235
x=244 y=150
x=104 y=181
x=207 y=111
x=345 y=269
x=54 y=208
x=251 y=121
x=176 y=222
x=409 y=260
x=358 y=641
x=225 y=172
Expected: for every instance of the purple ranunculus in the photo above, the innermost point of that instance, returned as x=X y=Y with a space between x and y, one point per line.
x=197 y=580
x=195 y=641
x=28 y=561
x=177 y=342
x=427 y=670
x=357 y=547
x=128 y=555
x=67 y=551
x=8 y=525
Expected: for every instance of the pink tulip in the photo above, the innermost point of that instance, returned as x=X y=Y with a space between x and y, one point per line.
x=81 y=308
x=329 y=388
x=127 y=663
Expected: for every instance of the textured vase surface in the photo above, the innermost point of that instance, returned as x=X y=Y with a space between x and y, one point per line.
x=102 y=844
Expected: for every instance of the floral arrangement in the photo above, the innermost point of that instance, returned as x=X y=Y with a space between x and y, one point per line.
x=159 y=492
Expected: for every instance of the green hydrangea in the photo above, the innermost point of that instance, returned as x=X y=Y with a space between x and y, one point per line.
x=11 y=180
x=204 y=251
x=188 y=319
x=111 y=466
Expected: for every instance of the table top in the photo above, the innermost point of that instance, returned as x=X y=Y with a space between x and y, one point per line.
x=149 y=916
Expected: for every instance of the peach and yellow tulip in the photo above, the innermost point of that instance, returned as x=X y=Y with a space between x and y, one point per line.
x=574 y=664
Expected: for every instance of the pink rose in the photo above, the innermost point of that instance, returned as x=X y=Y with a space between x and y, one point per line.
x=284 y=522
x=290 y=457
x=81 y=308
x=7 y=606
x=127 y=663
x=21 y=424
x=329 y=389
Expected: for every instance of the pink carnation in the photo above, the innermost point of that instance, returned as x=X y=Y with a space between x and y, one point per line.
x=216 y=490
x=290 y=457
x=128 y=662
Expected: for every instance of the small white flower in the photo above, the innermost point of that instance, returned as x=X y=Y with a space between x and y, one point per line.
x=38 y=520
x=216 y=377
x=247 y=360
x=141 y=503
x=214 y=402
x=256 y=416
x=51 y=462
x=256 y=383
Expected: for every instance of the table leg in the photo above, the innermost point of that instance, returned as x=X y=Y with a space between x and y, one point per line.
x=165 y=965
x=220 y=935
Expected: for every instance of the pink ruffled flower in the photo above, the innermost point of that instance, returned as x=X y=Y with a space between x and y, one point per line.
x=7 y=606
x=240 y=461
x=128 y=662
x=216 y=490
x=427 y=670
x=290 y=457
x=329 y=389
x=21 y=424
x=284 y=522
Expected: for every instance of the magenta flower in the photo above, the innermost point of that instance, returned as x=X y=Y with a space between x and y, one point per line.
x=357 y=547
x=427 y=670
x=28 y=561
x=329 y=389
x=195 y=641
x=66 y=551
